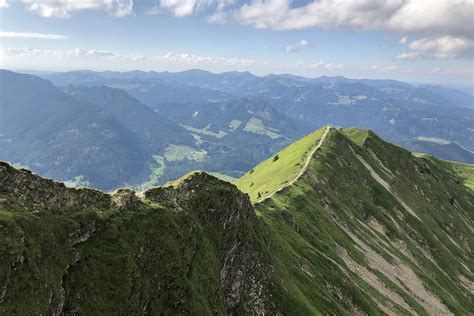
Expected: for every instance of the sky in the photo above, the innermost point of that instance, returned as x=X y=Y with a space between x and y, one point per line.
x=429 y=41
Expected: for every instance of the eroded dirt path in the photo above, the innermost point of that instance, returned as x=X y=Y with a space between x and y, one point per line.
x=302 y=171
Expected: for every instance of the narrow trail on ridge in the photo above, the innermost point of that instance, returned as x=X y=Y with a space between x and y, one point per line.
x=302 y=171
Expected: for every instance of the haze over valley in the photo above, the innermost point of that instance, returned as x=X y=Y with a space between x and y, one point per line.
x=236 y=157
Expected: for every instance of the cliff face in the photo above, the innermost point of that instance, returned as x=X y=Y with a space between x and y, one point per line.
x=191 y=248
x=22 y=188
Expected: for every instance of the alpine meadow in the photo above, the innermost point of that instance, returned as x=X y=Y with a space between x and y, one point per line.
x=242 y=157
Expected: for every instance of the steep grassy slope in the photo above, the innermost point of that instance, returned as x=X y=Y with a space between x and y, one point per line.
x=280 y=169
x=350 y=225
x=464 y=171
x=187 y=249
x=370 y=227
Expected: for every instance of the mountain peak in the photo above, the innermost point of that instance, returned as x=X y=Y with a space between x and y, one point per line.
x=282 y=169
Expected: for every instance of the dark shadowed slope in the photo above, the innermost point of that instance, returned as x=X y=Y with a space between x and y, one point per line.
x=61 y=137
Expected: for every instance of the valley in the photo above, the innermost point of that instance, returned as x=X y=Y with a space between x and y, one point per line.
x=142 y=129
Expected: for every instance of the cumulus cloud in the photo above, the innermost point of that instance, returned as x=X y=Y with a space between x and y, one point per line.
x=64 y=8
x=439 y=48
x=182 y=8
x=293 y=47
x=3 y=4
x=404 y=16
x=30 y=35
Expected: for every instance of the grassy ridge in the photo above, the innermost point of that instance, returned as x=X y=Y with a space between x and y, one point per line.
x=279 y=169
x=464 y=171
x=337 y=199
x=368 y=227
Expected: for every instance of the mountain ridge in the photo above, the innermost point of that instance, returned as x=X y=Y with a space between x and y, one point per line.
x=367 y=228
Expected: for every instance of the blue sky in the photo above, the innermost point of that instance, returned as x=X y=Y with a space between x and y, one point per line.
x=410 y=40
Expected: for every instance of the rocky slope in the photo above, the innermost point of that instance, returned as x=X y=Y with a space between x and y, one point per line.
x=187 y=248
x=364 y=228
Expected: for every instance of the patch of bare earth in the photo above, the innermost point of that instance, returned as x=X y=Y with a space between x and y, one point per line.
x=402 y=275
x=374 y=282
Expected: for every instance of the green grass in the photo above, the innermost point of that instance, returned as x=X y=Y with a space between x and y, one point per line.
x=235 y=124
x=157 y=169
x=255 y=125
x=357 y=135
x=271 y=174
x=180 y=152
x=223 y=177
x=464 y=171
x=205 y=131
x=301 y=223
x=166 y=252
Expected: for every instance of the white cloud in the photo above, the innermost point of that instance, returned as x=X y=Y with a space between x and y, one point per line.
x=82 y=54
x=64 y=8
x=182 y=8
x=300 y=65
x=30 y=35
x=404 y=16
x=333 y=66
x=191 y=59
x=403 y=40
x=77 y=52
x=293 y=47
x=384 y=68
x=439 y=48
x=3 y=4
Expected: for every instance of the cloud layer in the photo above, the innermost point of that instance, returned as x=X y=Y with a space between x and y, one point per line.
x=293 y=47
x=404 y=16
x=172 y=60
x=64 y=8
x=440 y=29
x=30 y=35
x=443 y=47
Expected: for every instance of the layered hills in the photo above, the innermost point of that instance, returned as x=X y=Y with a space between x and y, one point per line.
x=103 y=137
x=339 y=222
x=421 y=118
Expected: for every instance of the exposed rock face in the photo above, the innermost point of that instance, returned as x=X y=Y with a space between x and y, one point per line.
x=21 y=186
x=198 y=218
x=244 y=276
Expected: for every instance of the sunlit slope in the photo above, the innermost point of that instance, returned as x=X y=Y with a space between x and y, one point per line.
x=280 y=169
x=370 y=227
x=463 y=170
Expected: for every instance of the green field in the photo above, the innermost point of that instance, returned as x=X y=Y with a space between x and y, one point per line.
x=255 y=125
x=157 y=169
x=180 y=152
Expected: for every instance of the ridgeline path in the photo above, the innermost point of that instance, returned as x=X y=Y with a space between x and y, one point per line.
x=302 y=171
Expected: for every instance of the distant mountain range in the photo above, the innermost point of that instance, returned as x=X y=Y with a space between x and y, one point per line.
x=398 y=111
x=107 y=129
